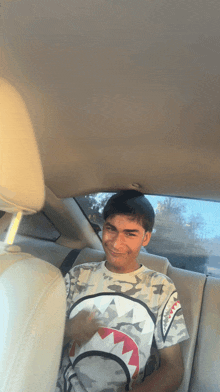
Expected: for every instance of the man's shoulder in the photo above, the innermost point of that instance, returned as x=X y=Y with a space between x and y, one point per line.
x=89 y=266
x=156 y=275
x=158 y=278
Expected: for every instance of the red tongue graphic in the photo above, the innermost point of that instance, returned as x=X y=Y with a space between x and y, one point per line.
x=129 y=345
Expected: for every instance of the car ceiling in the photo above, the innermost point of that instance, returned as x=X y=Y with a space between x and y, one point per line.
x=121 y=93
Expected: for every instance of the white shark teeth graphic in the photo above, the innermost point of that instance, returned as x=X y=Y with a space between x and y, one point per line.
x=131 y=369
x=138 y=315
x=117 y=349
x=94 y=344
x=122 y=305
x=148 y=327
x=102 y=302
x=107 y=345
x=172 y=306
x=127 y=356
x=109 y=342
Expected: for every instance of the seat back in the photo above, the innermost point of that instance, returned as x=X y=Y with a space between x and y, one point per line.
x=32 y=303
x=205 y=373
x=190 y=287
x=32 y=291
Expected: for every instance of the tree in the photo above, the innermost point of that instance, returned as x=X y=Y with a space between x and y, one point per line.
x=93 y=205
x=176 y=237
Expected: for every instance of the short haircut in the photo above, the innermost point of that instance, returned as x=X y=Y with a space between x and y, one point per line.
x=134 y=204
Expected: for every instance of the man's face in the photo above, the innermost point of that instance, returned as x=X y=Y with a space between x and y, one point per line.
x=122 y=240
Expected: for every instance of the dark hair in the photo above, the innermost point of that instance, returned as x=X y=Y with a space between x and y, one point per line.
x=133 y=203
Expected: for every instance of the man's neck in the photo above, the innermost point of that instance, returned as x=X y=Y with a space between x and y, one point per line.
x=122 y=270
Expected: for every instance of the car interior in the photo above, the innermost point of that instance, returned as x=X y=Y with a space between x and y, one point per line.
x=96 y=97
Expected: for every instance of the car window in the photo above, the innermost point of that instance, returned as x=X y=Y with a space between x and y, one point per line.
x=186 y=231
x=38 y=226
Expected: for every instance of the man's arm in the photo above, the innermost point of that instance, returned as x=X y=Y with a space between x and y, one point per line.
x=169 y=375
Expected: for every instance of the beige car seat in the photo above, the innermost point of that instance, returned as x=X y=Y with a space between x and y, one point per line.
x=32 y=291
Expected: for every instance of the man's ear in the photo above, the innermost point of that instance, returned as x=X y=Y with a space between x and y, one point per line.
x=147 y=238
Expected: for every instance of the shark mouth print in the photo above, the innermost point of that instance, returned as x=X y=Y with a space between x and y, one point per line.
x=134 y=310
x=109 y=360
x=117 y=353
x=172 y=307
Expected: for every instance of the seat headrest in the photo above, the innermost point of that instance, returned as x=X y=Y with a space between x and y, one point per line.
x=153 y=262
x=21 y=175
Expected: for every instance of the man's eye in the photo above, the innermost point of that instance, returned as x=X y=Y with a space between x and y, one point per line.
x=131 y=235
x=109 y=228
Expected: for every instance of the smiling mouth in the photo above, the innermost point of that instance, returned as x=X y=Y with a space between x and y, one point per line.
x=115 y=254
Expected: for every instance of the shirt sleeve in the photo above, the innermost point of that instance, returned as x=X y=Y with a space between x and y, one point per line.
x=170 y=327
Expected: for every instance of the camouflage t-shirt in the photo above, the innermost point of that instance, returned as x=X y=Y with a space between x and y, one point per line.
x=141 y=314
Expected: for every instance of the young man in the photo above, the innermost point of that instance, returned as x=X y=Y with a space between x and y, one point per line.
x=121 y=316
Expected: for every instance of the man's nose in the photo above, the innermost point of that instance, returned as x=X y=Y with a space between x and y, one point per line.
x=118 y=241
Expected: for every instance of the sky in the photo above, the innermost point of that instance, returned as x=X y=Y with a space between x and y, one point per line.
x=208 y=211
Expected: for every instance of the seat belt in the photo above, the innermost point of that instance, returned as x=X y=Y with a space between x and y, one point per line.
x=69 y=261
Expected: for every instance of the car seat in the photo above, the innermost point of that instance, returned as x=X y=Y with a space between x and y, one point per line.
x=32 y=291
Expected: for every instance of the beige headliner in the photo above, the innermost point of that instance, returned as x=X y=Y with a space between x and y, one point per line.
x=120 y=92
